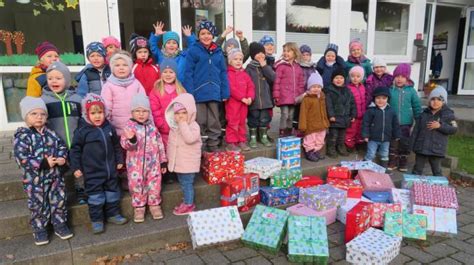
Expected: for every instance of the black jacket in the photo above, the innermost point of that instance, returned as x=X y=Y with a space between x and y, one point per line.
x=262 y=78
x=96 y=151
x=380 y=125
x=433 y=142
x=340 y=104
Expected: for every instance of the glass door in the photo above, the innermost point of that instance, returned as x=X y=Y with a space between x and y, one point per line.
x=467 y=62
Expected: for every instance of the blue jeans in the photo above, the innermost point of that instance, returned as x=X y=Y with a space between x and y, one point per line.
x=186 y=181
x=372 y=148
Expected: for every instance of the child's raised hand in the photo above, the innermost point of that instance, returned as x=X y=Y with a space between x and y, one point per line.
x=129 y=134
x=60 y=161
x=227 y=30
x=187 y=30
x=332 y=119
x=119 y=166
x=239 y=35
x=78 y=173
x=159 y=27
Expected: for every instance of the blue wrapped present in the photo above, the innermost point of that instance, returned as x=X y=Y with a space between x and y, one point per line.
x=378 y=196
x=409 y=179
x=272 y=196
x=289 y=152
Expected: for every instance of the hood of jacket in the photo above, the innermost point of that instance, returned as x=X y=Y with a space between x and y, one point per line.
x=187 y=100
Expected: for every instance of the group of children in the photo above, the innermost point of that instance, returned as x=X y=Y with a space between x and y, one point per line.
x=153 y=111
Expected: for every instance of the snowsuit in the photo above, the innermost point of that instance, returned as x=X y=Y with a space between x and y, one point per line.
x=145 y=154
x=36 y=81
x=90 y=80
x=353 y=132
x=44 y=185
x=147 y=73
x=372 y=82
x=313 y=121
x=158 y=104
x=259 y=111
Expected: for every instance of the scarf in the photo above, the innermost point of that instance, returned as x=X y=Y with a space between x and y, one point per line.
x=355 y=60
x=170 y=88
x=330 y=64
x=123 y=82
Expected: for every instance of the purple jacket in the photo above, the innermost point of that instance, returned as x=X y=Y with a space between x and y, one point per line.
x=308 y=69
x=372 y=82
x=289 y=83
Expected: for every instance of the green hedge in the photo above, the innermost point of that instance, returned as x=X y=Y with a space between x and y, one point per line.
x=29 y=59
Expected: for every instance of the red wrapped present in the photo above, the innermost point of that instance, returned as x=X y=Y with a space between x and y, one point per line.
x=218 y=167
x=353 y=187
x=357 y=220
x=377 y=213
x=241 y=191
x=339 y=172
x=373 y=181
x=309 y=181
x=434 y=195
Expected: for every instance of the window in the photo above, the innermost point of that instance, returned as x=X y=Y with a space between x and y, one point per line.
x=194 y=11
x=391 y=28
x=264 y=19
x=24 y=25
x=359 y=21
x=307 y=22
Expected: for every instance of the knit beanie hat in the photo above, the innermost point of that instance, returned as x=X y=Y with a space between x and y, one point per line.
x=111 y=40
x=233 y=42
x=206 y=24
x=96 y=47
x=338 y=71
x=169 y=63
x=45 y=47
x=355 y=44
x=178 y=106
x=402 y=69
x=439 y=92
x=140 y=100
x=170 y=35
x=120 y=55
x=59 y=66
x=381 y=91
x=331 y=47
x=305 y=48
x=88 y=101
x=137 y=42
x=233 y=53
x=27 y=104
x=378 y=62
x=255 y=48
x=357 y=69
x=267 y=40
x=315 y=79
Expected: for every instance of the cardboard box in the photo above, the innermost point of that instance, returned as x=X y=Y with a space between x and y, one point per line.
x=373 y=181
x=363 y=165
x=219 y=167
x=289 y=152
x=242 y=191
x=264 y=167
x=303 y=210
x=441 y=221
x=285 y=178
x=353 y=187
x=434 y=195
x=409 y=179
x=322 y=197
x=278 y=196
x=357 y=220
x=307 y=240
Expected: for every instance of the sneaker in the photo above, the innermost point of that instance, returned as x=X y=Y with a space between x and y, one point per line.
x=97 y=227
x=178 y=206
x=156 y=212
x=139 y=215
x=184 y=209
x=63 y=232
x=118 y=220
x=41 y=237
x=311 y=156
x=232 y=147
x=244 y=147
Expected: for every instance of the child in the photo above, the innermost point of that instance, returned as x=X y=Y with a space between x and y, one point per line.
x=269 y=44
x=40 y=154
x=47 y=54
x=94 y=75
x=341 y=111
x=430 y=135
x=329 y=62
x=357 y=89
x=185 y=161
x=380 y=126
x=242 y=93
x=146 y=160
x=288 y=86
x=309 y=68
x=378 y=78
x=357 y=57
x=233 y=43
x=406 y=103
x=96 y=155
x=112 y=45
x=259 y=113
x=144 y=68
x=170 y=47
x=119 y=90
x=313 y=120
x=206 y=79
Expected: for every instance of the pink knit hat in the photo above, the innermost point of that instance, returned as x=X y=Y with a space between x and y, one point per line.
x=111 y=40
x=355 y=44
x=178 y=106
x=357 y=69
x=402 y=69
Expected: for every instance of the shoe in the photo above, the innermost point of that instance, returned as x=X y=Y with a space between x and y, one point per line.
x=383 y=163
x=331 y=149
x=81 y=196
x=118 y=220
x=178 y=206
x=289 y=132
x=41 y=237
x=63 y=232
x=184 y=209
x=232 y=147
x=311 y=156
x=253 y=138
x=244 y=147
x=392 y=162
x=156 y=212
x=97 y=227
x=263 y=137
x=402 y=163
x=341 y=149
x=319 y=155
x=139 y=215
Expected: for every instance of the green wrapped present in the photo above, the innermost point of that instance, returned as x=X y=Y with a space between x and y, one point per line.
x=307 y=239
x=406 y=225
x=285 y=178
x=266 y=229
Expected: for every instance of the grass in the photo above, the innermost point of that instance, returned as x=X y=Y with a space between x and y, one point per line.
x=462 y=147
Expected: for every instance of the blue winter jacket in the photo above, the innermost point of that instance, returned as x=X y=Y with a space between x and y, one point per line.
x=90 y=80
x=380 y=125
x=206 y=74
x=326 y=71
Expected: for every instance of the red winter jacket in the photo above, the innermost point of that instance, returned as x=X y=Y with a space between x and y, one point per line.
x=289 y=83
x=359 y=97
x=147 y=73
x=241 y=85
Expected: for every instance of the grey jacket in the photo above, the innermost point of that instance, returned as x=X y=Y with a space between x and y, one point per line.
x=262 y=78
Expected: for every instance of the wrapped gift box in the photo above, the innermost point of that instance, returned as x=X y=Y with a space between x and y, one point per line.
x=264 y=167
x=289 y=152
x=403 y=197
x=434 y=195
x=303 y=210
x=378 y=211
x=266 y=229
x=278 y=196
x=218 y=167
x=357 y=220
x=216 y=225
x=285 y=178
x=322 y=197
x=353 y=187
x=363 y=165
x=378 y=196
x=307 y=240
x=373 y=247
x=409 y=179
x=342 y=211
x=291 y=163
x=339 y=172
x=242 y=191
x=373 y=181
x=406 y=225
x=309 y=181
x=441 y=221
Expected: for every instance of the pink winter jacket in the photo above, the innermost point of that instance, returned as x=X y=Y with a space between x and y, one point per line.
x=158 y=104
x=117 y=100
x=359 y=97
x=289 y=83
x=184 y=142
